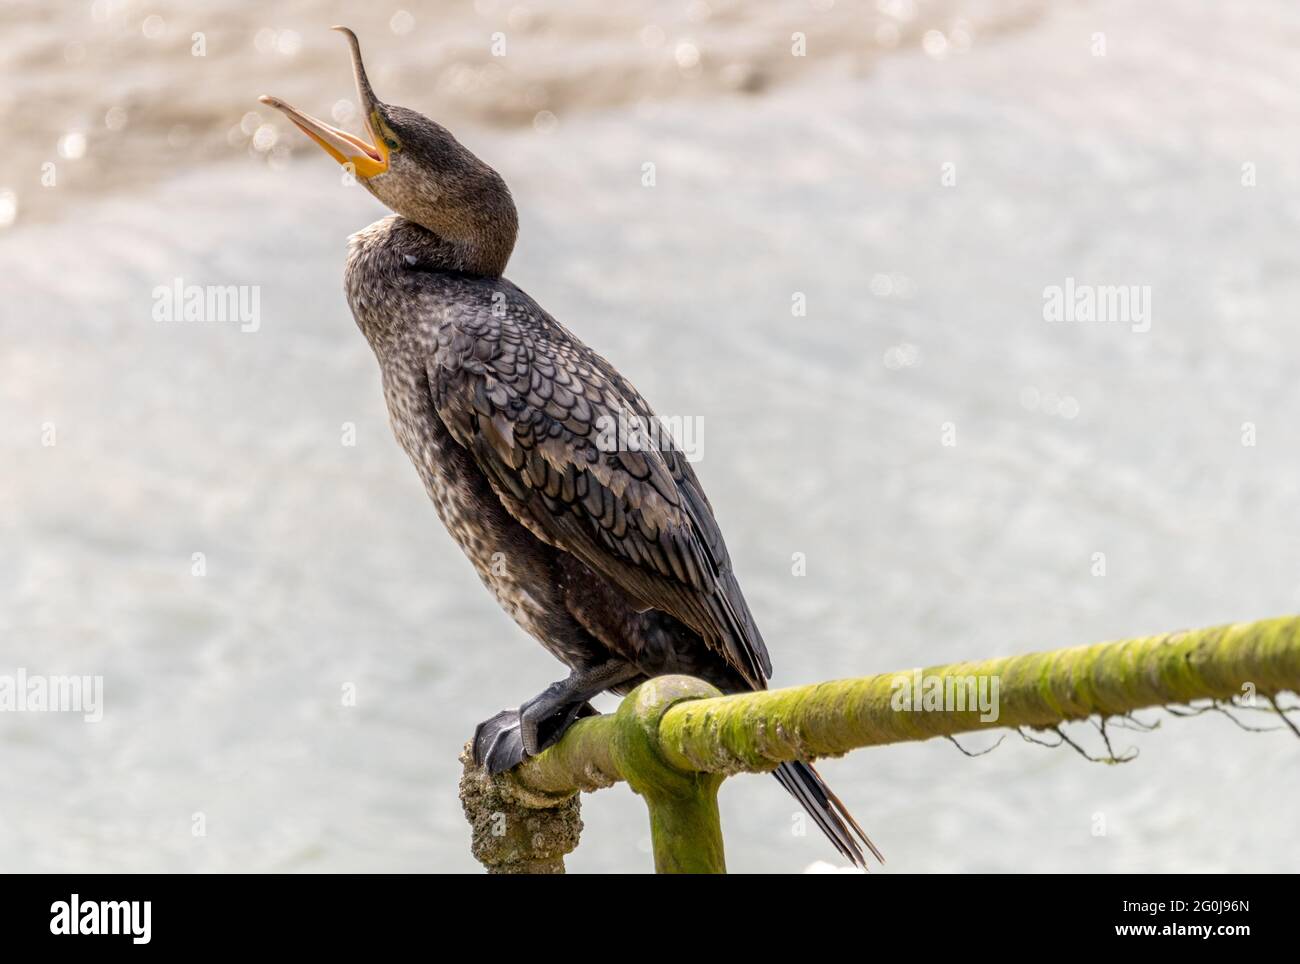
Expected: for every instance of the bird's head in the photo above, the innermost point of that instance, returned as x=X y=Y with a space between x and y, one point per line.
x=416 y=168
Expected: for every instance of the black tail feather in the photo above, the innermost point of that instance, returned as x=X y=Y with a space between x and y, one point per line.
x=806 y=785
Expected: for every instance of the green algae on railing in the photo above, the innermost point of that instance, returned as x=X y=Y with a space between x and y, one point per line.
x=674 y=738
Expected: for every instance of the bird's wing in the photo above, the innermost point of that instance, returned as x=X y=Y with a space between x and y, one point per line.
x=539 y=412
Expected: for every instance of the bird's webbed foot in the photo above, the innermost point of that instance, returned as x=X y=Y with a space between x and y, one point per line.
x=502 y=742
x=544 y=719
x=497 y=745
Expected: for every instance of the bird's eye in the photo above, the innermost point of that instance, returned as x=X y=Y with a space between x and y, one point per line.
x=392 y=144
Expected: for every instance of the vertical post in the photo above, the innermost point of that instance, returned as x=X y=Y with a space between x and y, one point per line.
x=685 y=827
x=686 y=830
x=517 y=830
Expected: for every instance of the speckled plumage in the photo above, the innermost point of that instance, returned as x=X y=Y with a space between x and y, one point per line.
x=594 y=553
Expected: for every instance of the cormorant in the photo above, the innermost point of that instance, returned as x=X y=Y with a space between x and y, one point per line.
x=608 y=555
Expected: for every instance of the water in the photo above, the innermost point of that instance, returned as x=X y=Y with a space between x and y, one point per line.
x=326 y=568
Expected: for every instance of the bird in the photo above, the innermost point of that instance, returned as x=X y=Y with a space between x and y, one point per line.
x=603 y=548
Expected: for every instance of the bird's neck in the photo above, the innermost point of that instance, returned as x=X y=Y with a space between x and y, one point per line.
x=381 y=258
x=426 y=249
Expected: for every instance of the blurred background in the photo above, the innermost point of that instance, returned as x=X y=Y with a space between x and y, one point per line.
x=919 y=176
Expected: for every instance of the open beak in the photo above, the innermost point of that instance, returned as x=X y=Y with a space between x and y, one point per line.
x=366 y=159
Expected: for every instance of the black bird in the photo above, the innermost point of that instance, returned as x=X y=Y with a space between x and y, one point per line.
x=609 y=555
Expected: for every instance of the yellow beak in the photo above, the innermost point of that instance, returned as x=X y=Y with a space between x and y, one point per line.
x=366 y=160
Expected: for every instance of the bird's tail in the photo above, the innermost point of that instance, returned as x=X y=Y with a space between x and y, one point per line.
x=806 y=785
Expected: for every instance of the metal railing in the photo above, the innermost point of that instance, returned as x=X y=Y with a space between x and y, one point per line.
x=674 y=739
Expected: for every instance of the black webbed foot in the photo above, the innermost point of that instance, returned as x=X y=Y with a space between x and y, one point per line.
x=542 y=723
x=501 y=742
x=497 y=744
